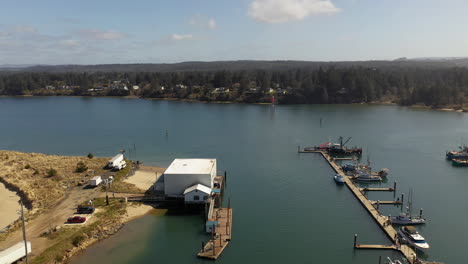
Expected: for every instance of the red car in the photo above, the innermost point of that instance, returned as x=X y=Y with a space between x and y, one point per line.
x=76 y=219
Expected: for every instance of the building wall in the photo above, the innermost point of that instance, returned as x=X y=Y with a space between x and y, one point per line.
x=175 y=184
x=190 y=197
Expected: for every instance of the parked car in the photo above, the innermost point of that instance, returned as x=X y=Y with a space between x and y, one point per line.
x=76 y=219
x=85 y=210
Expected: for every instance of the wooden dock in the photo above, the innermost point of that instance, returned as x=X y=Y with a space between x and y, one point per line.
x=381 y=220
x=376 y=189
x=220 y=236
x=397 y=202
x=391 y=247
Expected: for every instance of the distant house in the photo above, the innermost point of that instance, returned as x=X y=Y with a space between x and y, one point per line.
x=181 y=86
x=50 y=87
x=343 y=91
x=135 y=87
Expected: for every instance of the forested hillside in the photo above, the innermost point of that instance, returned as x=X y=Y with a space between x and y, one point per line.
x=433 y=83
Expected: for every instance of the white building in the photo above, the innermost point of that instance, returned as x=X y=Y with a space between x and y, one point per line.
x=185 y=173
x=197 y=194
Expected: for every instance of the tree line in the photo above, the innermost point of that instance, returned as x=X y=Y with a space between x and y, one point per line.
x=432 y=86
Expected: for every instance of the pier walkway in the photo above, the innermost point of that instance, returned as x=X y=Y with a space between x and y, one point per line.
x=381 y=220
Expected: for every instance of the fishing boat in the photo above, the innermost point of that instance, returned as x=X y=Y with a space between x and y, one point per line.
x=460 y=162
x=407 y=218
x=340 y=149
x=339 y=179
x=412 y=236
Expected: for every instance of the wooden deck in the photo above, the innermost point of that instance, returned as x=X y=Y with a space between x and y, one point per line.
x=381 y=220
x=221 y=237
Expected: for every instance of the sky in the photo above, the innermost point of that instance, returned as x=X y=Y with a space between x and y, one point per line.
x=157 y=31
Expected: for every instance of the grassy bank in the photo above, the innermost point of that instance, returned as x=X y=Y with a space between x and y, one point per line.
x=67 y=241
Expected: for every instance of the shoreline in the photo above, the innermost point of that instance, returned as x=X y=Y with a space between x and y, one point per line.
x=445 y=108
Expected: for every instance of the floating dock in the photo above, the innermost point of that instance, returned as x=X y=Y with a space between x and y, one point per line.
x=221 y=235
x=381 y=220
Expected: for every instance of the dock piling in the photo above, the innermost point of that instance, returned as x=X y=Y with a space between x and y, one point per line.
x=355 y=240
x=420 y=213
x=380 y=259
x=394 y=186
x=402 y=198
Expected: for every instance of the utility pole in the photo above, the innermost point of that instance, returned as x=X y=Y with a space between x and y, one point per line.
x=24 y=233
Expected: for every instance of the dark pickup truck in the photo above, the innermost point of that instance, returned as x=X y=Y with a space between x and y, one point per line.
x=85 y=210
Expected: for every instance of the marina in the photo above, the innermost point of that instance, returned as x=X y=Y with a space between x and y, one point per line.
x=381 y=220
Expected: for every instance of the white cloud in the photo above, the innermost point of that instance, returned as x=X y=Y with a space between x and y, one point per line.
x=71 y=43
x=102 y=35
x=278 y=11
x=202 y=22
x=211 y=23
x=181 y=36
x=24 y=29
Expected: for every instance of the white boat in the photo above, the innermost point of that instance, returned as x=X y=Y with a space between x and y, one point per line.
x=406 y=219
x=410 y=235
x=339 y=179
x=366 y=177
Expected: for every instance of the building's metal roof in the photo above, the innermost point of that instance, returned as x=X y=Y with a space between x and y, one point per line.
x=199 y=187
x=191 y=166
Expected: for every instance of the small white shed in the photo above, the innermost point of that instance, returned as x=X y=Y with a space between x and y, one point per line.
x=185 y=173
x=197 y=194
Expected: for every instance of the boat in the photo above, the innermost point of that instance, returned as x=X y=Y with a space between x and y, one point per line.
x=461 y=154
x=336 y=148
x=410 y=235
x=460 y=162
x=351 y=169
x=407 y=218
x=339 y=179
x=366 y=177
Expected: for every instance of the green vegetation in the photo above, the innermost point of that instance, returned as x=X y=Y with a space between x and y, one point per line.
x=406 y=82
x=27 y=167
x=36 y=171
x=51 y=172
x=81 y=167
x=90 y=155
x=65 y=239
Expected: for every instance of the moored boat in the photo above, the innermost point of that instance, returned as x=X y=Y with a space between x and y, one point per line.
x=461 y=154
x=410 y=235
x=406 y=219
x=460 y=162
x=339 y=179
x=366 y=177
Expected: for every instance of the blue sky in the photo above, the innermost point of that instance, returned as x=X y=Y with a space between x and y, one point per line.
x=155 y=31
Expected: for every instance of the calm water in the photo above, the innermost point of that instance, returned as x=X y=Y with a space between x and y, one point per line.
x=287 y=208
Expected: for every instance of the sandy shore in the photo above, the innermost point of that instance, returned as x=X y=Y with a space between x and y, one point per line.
x=145 y=177
x=136 y=210
x=8 y=206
